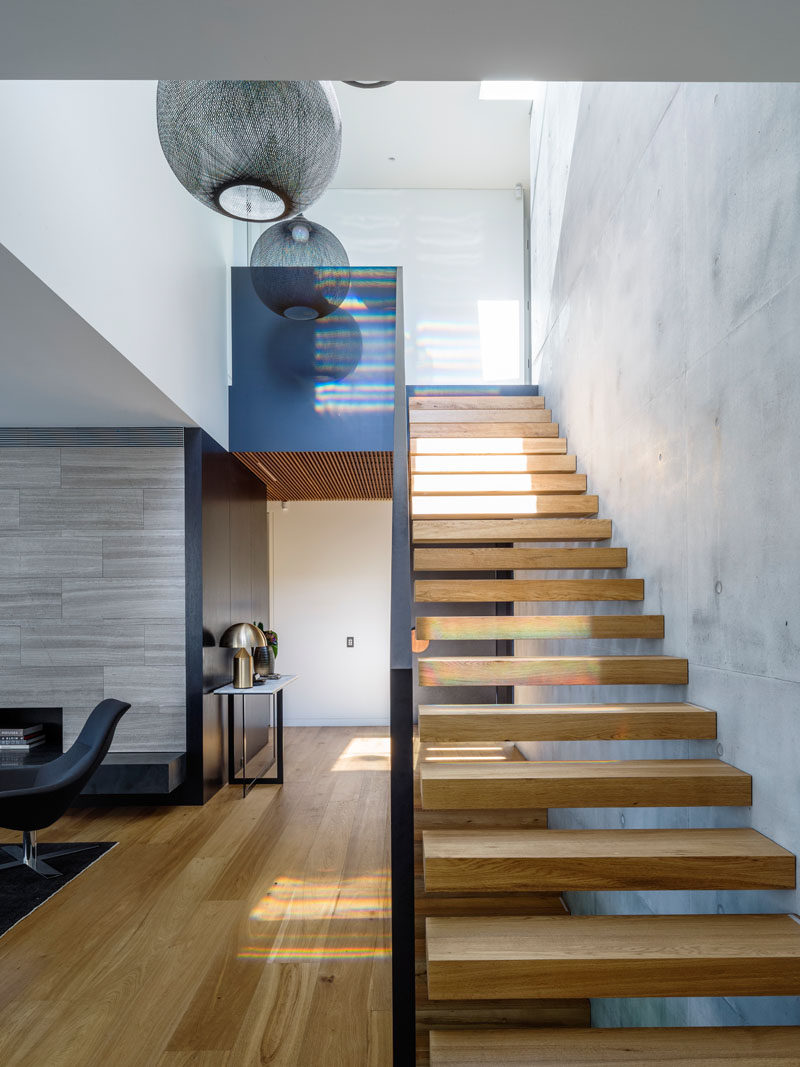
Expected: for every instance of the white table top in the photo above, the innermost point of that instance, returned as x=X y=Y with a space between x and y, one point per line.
x=258 y=690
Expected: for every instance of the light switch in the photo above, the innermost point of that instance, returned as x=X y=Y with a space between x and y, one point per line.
x=351 y=641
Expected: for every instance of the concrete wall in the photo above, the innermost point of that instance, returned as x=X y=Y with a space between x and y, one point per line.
x=89 y=204
x=330 y=579
x=92 y=587
x=666 y=318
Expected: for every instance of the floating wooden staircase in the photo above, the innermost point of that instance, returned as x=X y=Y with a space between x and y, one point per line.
x=753 y=1046
x=504 y=970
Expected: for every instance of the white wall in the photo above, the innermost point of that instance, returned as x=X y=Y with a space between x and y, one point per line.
x=462 y=253
x=89 y=204
x=330 y=579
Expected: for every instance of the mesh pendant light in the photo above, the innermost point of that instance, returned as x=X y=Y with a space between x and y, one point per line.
x=300 y=269
x=256 y=151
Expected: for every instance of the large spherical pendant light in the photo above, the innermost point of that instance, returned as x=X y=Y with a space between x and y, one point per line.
x=256 y=151
x=300 y=269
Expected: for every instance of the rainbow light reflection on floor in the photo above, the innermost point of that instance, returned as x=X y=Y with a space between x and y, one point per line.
x=301 y=916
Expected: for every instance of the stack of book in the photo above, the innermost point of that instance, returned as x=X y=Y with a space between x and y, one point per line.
x=20 y=739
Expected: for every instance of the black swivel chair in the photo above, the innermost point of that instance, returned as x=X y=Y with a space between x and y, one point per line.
x=32 y=798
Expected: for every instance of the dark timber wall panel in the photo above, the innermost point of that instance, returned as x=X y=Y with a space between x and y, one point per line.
x=227 y=581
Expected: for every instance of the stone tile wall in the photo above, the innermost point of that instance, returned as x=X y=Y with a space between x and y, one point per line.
x=92 y=575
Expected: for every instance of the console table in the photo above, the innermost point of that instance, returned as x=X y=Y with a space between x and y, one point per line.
x=274 y=691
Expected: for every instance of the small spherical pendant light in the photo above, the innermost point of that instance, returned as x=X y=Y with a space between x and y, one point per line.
x=252 y=150
x=368 y=85
x=300 y=269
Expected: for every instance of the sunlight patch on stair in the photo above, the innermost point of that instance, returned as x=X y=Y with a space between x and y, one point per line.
x=466 y=445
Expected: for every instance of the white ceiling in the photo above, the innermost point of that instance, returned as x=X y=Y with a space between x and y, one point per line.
x=454 y=40
x=440 y=135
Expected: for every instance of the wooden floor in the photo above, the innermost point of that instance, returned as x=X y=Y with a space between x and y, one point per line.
x=247 y=932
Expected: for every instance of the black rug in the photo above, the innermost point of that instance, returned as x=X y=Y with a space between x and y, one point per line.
x=22 y=890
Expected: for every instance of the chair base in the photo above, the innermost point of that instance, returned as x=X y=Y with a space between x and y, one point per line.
x=27 y=855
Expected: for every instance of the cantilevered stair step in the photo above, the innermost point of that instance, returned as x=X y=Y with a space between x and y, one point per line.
x=473 y=531
x=509 y=861
x=583 y=784
x=467 y=403
x=512 y=559
x=553 y=670
x=753 y=1046
x=509 y=505
x=536 y=627
x=483 y=429
x=488 y=446
x=455 y=723
x=493 y=464
x=425 y=416
x=613 y=956
x=492 y=590
x=496 y=484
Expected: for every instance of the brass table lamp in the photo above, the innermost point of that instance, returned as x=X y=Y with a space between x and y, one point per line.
x=243 y=635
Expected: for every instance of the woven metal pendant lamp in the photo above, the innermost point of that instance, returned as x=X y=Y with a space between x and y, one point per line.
x=300 y=269
x=252 y=150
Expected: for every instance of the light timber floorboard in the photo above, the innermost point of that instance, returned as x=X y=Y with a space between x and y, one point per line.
x=243 y=932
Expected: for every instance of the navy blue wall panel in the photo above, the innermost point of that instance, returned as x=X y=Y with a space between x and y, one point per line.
x=314 y=386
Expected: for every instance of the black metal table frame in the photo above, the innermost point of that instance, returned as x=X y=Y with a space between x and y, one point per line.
x=277 y=762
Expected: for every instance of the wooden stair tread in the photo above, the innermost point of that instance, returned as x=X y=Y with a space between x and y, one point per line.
x=494 y=484
x=488 y=446
x=553 y=670
x=613 y=956
x=448 y=784
x=565 y=722
x=481 y=430
x=536 y=627
x=450 y=403
x=471 y=531
x=512 y=559
x=558 y=505
x=426 y=416
x=493 y=590
x=755 y=1046
x=493 y=464
x=503 y=861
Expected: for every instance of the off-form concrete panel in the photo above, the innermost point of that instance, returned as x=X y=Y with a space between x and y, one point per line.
x=451 y=39
x=667 y=334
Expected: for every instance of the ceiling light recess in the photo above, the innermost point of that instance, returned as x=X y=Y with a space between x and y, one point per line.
x=252 y=150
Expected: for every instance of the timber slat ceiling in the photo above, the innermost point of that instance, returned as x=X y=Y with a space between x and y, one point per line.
x=322 y=475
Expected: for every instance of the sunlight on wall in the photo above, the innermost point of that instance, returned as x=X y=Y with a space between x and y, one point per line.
x=500 y=349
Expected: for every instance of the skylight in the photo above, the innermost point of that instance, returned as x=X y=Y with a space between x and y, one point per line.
x=508 y=90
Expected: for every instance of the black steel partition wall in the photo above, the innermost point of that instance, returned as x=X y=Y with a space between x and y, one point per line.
x=401 y=728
